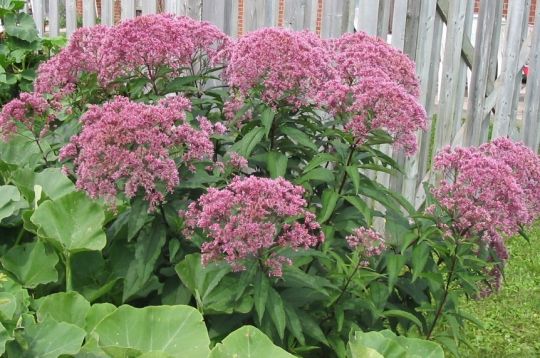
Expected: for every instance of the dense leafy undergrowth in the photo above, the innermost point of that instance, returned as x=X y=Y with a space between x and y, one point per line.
x=167 y=191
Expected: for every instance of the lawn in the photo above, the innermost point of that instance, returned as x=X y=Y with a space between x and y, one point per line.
x=511 y=317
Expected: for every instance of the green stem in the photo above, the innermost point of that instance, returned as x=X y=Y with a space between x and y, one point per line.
x=19 y=236
x=69 y=283
x=438 y=314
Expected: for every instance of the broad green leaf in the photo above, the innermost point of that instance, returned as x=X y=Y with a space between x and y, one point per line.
x=360 y=351
x=4 y=338
x=96 y=314
x=32 y=263
x=318 y=174
x=73 y=223
x=52 y=181
x=420 y=348
x=405 y=315
x=138 y=216
x=267 y=118
x=352 y=172
x=276 y=310
x=388 y=348
x=20 y=151
x=276 y=163
x=68 y=307
x=299 y=137
x=245 y=146
x=260 y=294
x=8 y=305
x=9 y=201
x=248 y=342
x=21 y=26
x=51 y=339
x=328 y=201
x=175 y=330
x=362 y=207
x=147 y=251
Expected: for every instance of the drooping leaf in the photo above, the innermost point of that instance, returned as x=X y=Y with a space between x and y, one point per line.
x=21 y=25
x=9 y=201
x=245 y=146
x=260 y=294
x=394 y=264
x=328 y=201
x=73 y=223
x=31 y=263
x=248 y=342
x=138 y=216
x=147 y=251
x=420 y=256
x=352 y=172
x=276 y=311
x=299 y=137
x=52 y=181
x=276 y=163
x=175 y=330
x=267 y=118
x=68 y=307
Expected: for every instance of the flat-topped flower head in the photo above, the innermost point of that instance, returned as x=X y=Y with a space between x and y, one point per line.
x=126 y=146
x=249 y=218
x=280 y=66
x=29 y=110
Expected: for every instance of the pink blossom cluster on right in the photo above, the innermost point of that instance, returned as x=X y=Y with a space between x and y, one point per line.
x=489 y=191
x=369 y=241
x=249 y=219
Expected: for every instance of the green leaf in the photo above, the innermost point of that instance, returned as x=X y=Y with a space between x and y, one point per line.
x=8 y=305
x=51 y=339
x=420 y=256
x=394 y=264
x=276 y=163
x=319 y=174
x=294 y=324
x=73 y=223
x=328 y=201
x=405 y=315
x=388 y=348
x=420 y=348
x=147 y=251
x=352 y=172
x=318 y=160
x=4 y=338
x=32 y=264
x=20 y=151
x=96 y=314
x=267 y=118
x=362 y=207
x=260 y=294
x=175 y=330
x=276 y=310
x=248 y=342
x=9 y=201
x=21 y=26
x=311 y=327
x=245 y=146
x=138 y=216
x=299 y=137
x=68 y=307
x=52 y=181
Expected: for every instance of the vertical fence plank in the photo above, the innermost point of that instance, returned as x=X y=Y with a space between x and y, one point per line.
x=337 y=18
x=486 y=26
x=128 y=9
x=368 y=14
x=300 y=15
x=54 y=20
x=107 y=12
x=149 y=7
x=398 y=23
x=517 y=14
x=89 y=13
x=532 y=96
x=383 y=21
x=222 y=13
x=38 y=14
x=260 y=13
x=171 y=6
x=450 y=73
x=71 y=17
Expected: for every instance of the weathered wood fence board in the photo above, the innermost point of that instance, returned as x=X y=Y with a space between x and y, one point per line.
x=436 y=34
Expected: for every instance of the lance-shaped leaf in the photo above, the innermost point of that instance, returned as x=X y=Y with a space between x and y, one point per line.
x=178 y=331
x=73 y=223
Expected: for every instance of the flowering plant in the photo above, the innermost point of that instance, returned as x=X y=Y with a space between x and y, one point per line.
x=160 y=162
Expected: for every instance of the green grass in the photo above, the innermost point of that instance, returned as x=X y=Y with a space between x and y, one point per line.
x=512 y=316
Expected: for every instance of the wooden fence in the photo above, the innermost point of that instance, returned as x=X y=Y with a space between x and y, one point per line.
x=436 y=34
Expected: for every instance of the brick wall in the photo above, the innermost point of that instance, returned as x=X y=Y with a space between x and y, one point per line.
x=505 y=9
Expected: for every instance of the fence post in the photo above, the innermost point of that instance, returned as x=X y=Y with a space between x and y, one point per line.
x=89 y=13
x=128 y=9
x=368 y=14
x=149 y=7
x=54 y=28
x=107 y=12
x=38 y=14
x=71 y=17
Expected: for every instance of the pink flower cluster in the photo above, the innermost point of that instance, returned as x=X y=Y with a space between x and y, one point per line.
x=489 y=190
x=250 y=217
x=126 y=145
x=358 y=77
x=282 y=65
x=369 y=241
x=25 y=110
x=141 y=46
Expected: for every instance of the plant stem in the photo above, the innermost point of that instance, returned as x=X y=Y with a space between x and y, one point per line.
x=69 y=284
x=19 y=236
x=42 y=152
x=349 y=160
x=446 y=291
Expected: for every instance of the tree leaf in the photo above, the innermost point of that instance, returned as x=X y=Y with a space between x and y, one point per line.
x=248 y=342
x=51 y=339
x=362 y=207
x=352 y=172
x=276 y=163
x=260 y=294
x=31 y=263
x=175 y=330
x=147 y=251
x=299 y=137
x=394 y=264
x=403 y=314
x=68 y=307
x=73 y=222
x=245 y=146
x=138 y=216
x=274 y=307
x=318 y=160
x=267 y=118
x=420 y=256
